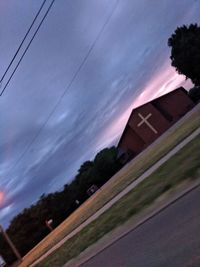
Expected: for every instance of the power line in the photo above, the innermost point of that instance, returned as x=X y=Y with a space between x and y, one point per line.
x=69 y=85
x=23 y=40
x=45 y=15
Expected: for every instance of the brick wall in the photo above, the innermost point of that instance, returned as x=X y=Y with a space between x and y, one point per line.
x=150 y=120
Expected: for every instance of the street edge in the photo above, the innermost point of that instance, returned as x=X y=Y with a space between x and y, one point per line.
x=155 y=213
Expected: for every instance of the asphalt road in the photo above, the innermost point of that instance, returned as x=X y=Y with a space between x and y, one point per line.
x=123 y=192
x=170 y=239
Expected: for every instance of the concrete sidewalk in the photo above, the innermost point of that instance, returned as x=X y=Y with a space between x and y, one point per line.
x=123 y=193
x=152 y=241
x=161 y=203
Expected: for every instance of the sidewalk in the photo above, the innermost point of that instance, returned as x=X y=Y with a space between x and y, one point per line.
x=163 y=202
x=123 y=193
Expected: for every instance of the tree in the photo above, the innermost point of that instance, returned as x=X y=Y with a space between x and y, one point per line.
x=106 y=162
x=185 y=51
x=85 y=166
x=58 y=205
x=194 y=94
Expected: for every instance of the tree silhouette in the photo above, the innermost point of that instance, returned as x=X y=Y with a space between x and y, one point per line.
x=58 y=205
x=185 y=51
x=194 y=94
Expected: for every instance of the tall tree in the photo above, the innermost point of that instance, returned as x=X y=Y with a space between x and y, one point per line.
x=58 y=205
x=85 y=166
x=185 y=51
x=194 y=94
x=106 y=162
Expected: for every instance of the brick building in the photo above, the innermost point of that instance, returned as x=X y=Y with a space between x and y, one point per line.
x=147 y=122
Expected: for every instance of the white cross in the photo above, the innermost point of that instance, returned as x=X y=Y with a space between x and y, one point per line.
x=145 y=120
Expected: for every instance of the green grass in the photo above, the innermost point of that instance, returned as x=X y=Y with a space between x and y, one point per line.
x=185 y=164
x=128 y=174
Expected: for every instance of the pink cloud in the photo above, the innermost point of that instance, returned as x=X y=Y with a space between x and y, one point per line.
x=166 y=80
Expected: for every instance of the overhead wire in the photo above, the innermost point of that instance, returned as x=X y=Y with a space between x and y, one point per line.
x=25 y=51
x=69 y=85
x=23 y=40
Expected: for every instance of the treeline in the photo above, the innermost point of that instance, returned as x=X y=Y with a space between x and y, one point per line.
x=28 y=227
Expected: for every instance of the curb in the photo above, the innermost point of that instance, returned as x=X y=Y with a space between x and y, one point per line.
x=171 y=129
x=152 y=215
x=126 y=190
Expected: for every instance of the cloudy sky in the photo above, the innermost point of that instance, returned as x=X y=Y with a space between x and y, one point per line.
x=51 y=120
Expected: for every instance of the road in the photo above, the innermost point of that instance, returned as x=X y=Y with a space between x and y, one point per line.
x=170 y=239
x=141 y=178
x=128 y=188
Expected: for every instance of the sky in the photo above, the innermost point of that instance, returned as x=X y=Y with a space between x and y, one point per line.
x=58 y=112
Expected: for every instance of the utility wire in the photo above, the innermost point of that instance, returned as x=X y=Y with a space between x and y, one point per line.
x=69 y=85
x=25 y=51
x=22 y=42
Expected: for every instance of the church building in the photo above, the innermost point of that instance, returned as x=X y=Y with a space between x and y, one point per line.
x=147 y=122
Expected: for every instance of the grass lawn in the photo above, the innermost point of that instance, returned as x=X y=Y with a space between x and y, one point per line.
x=128 y=174
x=185 y=164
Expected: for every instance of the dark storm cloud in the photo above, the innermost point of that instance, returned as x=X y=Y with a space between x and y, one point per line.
x=130 y=53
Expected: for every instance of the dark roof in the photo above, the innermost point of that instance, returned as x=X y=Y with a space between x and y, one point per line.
x=160 y=97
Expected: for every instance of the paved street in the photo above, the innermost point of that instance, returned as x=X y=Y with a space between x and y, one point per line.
x=144 y=176
x=170 y=239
